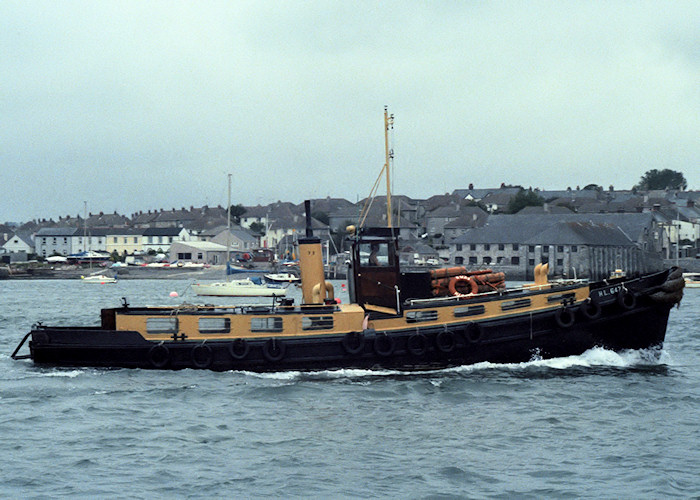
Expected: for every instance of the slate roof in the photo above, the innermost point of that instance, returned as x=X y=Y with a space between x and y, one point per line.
x=58 y=231
x=581 y=233
x=521 y=228
x=207 y=246
x=162 y=231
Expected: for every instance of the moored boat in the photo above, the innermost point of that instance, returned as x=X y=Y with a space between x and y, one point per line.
x=282 y=277
x=99 y=279
x=246 y=287
x=692 y=280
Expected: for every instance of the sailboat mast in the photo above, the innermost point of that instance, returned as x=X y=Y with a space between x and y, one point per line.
x=228 y=224
x=388 y=123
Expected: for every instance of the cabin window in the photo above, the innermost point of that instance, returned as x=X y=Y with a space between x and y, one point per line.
x=161 y=325
x=214 y=325
x=317 y=322
x=375 y=254
x=515 y=304
x=460 y=312
x=418 y=316
x=272 y=324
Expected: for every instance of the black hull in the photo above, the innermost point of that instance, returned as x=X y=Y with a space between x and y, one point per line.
x=512 y=339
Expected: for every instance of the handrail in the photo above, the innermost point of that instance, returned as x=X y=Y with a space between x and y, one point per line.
x=24 y=356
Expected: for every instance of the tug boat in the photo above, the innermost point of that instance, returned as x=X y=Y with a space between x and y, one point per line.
x=406 y=320
x=395 y=320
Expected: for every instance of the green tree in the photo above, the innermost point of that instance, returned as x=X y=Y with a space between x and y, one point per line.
x=524 y=198
x=258 y=228
x=237 y=212
x=661 y=179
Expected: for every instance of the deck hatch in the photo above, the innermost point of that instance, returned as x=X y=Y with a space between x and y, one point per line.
x=515 y=304
x=269 y=324
x=214 y=325
x=460 y=312
x=419 y=316
x=317 y=322
x=161 y=325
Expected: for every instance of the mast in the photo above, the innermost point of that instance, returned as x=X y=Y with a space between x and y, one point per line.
x=388 y=123
x=86 y=245
x=228 y=227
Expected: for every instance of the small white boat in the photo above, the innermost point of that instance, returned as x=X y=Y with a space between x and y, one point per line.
x=98 y=278
x=692 y=280
x=282 y=277
x=245 y=287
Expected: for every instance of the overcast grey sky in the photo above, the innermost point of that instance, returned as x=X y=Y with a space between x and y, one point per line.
x=142 y=105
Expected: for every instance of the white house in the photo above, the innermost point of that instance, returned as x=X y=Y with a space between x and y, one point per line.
x=159 y=239
x=19 y=243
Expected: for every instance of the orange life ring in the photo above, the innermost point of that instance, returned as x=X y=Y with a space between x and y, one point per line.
x=460 y=282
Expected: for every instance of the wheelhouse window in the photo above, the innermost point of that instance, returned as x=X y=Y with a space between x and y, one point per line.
x=161 y=325
x=270 y=324
x=375 y=254
x=214 y=325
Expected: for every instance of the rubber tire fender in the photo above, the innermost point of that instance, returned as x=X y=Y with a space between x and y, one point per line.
x=626 y=300
x=591 y=309
x=417 y=344
x=274 y=350
x=159 y=356
x=445 y=341
x=201 y=356
x=353 y=342
x=473 y=332
x=384 y=344
x=565 y=317
x=239 y=349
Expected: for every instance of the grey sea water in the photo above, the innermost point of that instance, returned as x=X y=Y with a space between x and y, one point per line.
x=599 y=425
